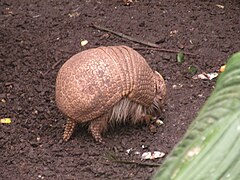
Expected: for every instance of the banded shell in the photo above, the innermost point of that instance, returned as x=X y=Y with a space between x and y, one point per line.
x=107 y=85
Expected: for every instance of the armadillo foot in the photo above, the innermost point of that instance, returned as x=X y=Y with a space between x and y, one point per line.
x=147 y=119
x=96 y=128
x=68 y=131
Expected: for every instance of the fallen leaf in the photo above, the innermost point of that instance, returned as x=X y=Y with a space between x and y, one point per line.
x=154 y=155
x=180 y=57
x=222 y=68
x=84 y=42
x=5 y=120
x=192 y=69
x=74 y=14
x=220 y=6
x=208 y=76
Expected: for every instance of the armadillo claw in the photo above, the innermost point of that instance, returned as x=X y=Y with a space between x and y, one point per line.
x=69 y=128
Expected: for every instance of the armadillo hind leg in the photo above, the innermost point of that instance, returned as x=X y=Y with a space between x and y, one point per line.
x=97 y=127
x=69 y=128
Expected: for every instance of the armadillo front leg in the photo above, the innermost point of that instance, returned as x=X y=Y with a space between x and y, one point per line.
x=69 y=128
x=97 y=127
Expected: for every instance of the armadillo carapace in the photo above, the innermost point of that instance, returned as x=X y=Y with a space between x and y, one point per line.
x=107 y=86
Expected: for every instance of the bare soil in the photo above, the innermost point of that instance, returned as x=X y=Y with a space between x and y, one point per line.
x=38 y=36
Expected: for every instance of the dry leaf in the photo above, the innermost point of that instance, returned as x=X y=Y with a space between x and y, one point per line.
x=84 y=42
x=222 y=68
x=5 y=120
x=220 y=6
x=208 y=76
x=74 y=14
x=154 y=155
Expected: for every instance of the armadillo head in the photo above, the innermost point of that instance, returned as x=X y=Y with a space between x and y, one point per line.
x=160 y=92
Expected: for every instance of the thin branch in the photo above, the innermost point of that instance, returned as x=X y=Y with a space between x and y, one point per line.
x=152 y=46
x=164 y=50
x=55 y=64
x=126 y=37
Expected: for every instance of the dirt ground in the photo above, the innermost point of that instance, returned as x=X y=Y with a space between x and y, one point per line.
x=38 y=36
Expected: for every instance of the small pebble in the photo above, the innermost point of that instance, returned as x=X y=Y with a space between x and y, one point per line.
x=166 y=57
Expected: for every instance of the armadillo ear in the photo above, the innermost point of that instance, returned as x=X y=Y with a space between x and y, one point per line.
x=160 y=84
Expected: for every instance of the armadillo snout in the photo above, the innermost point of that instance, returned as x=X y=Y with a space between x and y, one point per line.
x=159 y=99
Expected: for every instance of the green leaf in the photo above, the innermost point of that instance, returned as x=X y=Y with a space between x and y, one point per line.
x=211 y=147
x=192 y=69
x=180 y=57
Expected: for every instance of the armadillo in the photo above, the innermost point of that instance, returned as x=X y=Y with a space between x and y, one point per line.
x=106 y=86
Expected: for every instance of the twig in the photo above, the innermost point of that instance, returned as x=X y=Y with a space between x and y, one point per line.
x=114 y=159
x=52 y=68
x=152 y=46
x=164 y=50
x=126 y=37
x=55 y=64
